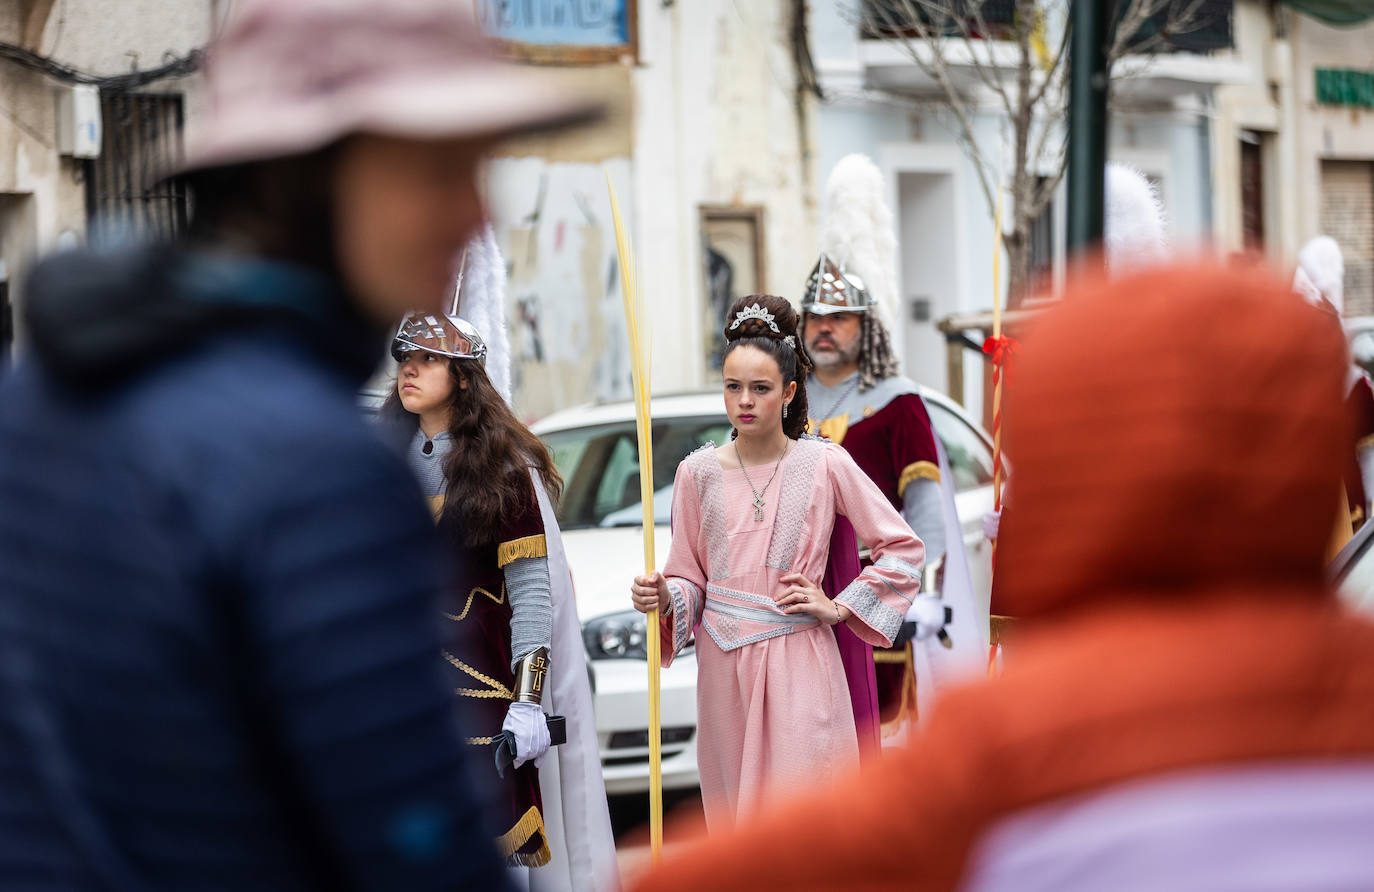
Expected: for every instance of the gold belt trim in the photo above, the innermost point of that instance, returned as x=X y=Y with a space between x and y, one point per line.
x=495 y=599
x=493 y=690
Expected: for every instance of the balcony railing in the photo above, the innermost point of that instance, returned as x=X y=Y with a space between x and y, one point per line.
x=1209 y=27
x=892 y=18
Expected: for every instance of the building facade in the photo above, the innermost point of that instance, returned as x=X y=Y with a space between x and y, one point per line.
x=72 y=151
x=880 y=102
x=1293 y=145
x=709 y=145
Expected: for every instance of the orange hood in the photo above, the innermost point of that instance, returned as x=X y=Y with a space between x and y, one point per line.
x=1183 y=431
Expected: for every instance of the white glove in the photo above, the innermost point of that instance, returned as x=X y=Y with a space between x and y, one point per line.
x=526 y=721
x=991 y=522
x=928 y=613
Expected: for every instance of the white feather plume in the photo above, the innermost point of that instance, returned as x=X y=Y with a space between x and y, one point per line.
x=859 y=235
x=1134 y=219
x=1321 y=272
x=482 y=302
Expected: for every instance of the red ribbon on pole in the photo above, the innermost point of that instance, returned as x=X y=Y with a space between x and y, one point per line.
x=1001 y=349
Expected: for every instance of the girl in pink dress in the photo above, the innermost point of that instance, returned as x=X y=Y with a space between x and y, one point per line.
x=752 y=523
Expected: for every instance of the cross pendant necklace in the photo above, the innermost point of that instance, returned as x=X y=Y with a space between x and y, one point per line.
x=758 y=493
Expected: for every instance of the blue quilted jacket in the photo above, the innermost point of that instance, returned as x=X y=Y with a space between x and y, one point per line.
x=218 y=641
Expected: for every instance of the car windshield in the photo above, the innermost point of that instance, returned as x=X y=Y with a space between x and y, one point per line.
x=600 y=468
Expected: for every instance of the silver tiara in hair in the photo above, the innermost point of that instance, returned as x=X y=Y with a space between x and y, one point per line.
x=755 y=311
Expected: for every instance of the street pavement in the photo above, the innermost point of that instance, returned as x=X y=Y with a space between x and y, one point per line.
x=630 y=824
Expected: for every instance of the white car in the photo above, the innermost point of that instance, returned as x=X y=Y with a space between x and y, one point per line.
x=595 y=450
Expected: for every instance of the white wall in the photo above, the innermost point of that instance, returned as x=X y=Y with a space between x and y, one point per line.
x=1170 y=145
x=926 y=272
x=710 y=118
x=716 y=124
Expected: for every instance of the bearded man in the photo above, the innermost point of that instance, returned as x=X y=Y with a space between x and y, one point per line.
x=860 y=402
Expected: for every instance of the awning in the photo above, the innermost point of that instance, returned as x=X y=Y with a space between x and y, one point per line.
x=1336 y=12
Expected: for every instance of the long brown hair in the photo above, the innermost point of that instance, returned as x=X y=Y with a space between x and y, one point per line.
x=486 y=475
x=793 y=361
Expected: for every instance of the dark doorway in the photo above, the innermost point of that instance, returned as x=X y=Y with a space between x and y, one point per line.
x=126 y=195
x=1252 y=191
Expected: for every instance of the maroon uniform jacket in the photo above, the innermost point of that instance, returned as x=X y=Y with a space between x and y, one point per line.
x=478 y=650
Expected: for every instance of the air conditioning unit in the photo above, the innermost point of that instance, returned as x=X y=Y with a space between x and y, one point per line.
x=78 y=121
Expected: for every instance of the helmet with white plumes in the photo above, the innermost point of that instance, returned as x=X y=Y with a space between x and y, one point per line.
x=474 y=325
x=442 y=334
x=1134 y=220
x=857 y=267
x=480 y=297
x=1321 y=273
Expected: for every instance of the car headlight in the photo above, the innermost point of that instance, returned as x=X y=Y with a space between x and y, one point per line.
x=616 y=636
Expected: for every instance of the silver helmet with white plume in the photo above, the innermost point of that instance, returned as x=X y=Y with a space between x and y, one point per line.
x=857 y=268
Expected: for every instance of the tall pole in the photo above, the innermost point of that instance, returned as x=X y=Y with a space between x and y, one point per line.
x=636 y=326
x=1087 y=121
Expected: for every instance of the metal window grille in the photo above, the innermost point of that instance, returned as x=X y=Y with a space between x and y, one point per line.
x=891 y=18
x=126 y=195
x=1210 y=29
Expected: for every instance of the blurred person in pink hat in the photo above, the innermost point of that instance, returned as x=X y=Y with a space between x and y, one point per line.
x=219 y=653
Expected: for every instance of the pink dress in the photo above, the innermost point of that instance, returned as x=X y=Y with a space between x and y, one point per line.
x=773 y=707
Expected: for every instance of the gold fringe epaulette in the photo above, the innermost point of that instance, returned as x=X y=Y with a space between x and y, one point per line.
x=921 y=470
x=832 y=429
x=528 y=547
x=514 y=839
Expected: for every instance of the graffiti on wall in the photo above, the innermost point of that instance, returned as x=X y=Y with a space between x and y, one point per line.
x=554 y=225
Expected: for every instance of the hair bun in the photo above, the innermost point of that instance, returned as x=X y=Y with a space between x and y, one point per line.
x=761 y=316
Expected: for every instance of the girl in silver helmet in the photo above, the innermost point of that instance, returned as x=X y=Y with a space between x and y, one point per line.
x=473 y=459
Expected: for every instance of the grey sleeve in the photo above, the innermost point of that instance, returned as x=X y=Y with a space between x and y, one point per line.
x=530 y=591
x=921 y=510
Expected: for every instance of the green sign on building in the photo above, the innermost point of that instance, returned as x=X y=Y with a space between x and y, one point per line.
x=1342 y=86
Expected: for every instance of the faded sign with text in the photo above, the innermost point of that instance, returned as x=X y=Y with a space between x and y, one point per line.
x=573 y=23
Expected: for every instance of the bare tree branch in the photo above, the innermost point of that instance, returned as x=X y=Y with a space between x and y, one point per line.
x=938 y=69
x=1181 y=17
x=1057 y=65
x=979 y=26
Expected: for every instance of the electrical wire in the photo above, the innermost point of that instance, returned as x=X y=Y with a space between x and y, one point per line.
x=176 y=66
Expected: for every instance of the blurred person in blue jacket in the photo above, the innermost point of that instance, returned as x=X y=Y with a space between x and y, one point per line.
x=219 y=655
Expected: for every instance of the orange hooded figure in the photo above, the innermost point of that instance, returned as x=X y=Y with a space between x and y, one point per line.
x=1188 y=706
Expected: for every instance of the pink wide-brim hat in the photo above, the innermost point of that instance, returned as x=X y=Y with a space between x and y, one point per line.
x=287 y=77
